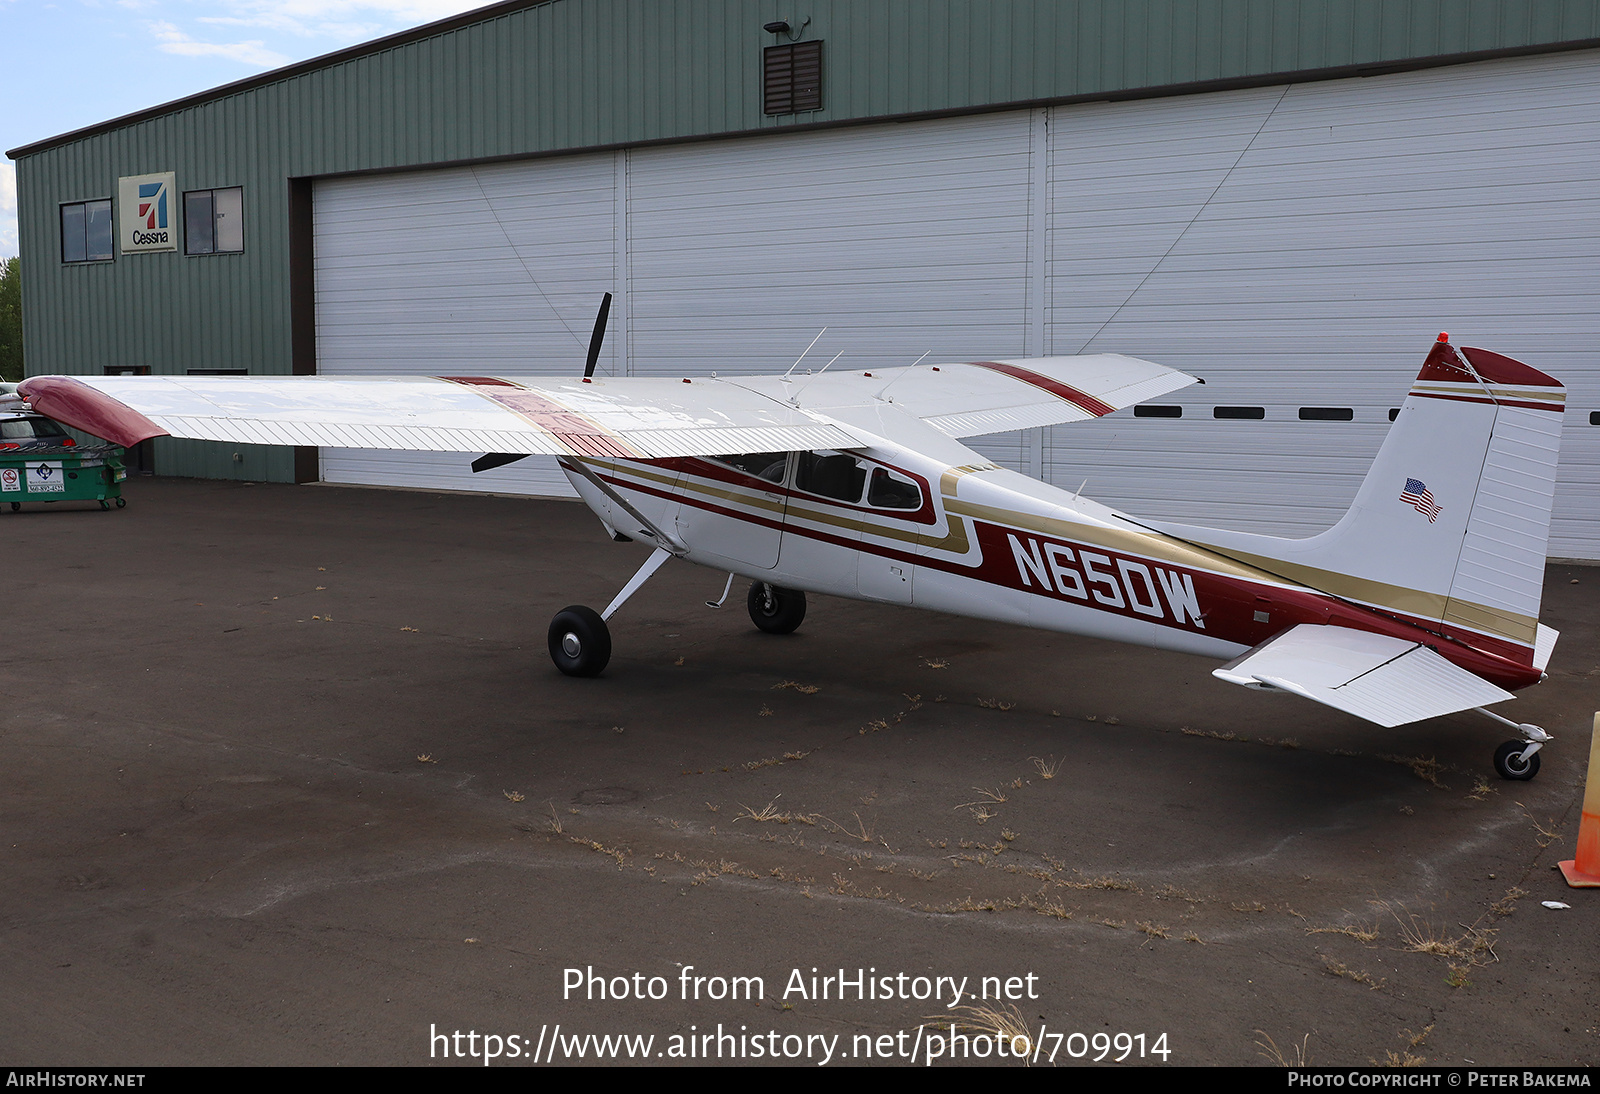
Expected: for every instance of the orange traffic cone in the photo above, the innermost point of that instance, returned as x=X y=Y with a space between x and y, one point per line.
x=1583 y=871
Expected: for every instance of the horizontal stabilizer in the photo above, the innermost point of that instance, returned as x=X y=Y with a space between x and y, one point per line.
x=1390 y=681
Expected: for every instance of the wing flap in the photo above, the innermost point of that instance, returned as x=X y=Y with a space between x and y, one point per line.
x=1385 y=680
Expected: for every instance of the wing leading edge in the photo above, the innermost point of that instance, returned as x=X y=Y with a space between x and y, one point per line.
x=632 y=417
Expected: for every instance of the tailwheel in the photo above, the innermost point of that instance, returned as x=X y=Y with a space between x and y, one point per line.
x=1511 y=763
x=580 y=641
x=775 y=610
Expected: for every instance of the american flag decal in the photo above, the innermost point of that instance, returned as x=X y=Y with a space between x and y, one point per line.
x=1419 y=497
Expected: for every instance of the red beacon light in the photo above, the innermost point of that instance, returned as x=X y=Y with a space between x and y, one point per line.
x=1444 y=336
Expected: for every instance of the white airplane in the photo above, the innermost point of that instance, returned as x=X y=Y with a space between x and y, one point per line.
x=1423 y=600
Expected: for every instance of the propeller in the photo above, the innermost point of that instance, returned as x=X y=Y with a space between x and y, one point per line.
x=500 y=459
x=598 y=336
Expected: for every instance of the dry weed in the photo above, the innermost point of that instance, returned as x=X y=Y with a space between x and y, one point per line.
x=1546 y=835
x=1269 y=1049
x=1004 y=1022
x=1508 y=903
x=803 y=689
x=1426 y=768
x=1046 y=768
x=1339 y=968
x=1359 y=932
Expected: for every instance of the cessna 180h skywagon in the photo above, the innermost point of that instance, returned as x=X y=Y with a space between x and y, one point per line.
x=1423 y=600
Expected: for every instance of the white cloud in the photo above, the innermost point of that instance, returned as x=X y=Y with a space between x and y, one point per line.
x=350 y=20
x=253 y=52
x=8 y=209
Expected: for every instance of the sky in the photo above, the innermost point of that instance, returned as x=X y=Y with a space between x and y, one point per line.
x=65 y=64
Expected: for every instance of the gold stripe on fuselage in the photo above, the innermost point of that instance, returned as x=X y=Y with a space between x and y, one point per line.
x=1151 y=545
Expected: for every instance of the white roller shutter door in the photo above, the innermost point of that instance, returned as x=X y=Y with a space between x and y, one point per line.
x=1297 y=247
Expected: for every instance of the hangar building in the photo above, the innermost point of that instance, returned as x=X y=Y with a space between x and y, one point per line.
x=1288 y=199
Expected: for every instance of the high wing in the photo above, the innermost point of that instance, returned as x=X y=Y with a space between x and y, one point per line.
x=968 y=399
x=616 y=417
x=632 y=418
x=1385 y=680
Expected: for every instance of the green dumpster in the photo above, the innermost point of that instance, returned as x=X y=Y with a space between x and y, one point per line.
x=62 y=473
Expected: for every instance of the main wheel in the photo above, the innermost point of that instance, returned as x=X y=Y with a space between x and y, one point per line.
x=1509 y=763
x=775 y=610
x=580 y=641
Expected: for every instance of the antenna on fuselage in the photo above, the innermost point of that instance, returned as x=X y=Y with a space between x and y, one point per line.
x=802 y=356
x=795 y=398
x=901 y=375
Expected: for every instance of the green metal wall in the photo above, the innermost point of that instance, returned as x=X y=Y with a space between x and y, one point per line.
x=577 y=74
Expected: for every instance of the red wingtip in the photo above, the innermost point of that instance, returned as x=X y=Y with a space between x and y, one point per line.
x=82 y=407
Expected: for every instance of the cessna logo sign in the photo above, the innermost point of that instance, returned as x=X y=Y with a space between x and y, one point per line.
x=147 y=215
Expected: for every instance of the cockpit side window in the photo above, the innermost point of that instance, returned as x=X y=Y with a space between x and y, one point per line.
x=891 y=491
x=830 y=475
x=769 y=466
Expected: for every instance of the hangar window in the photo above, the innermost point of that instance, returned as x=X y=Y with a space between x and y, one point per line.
x=86 y=231
x=1252 y=413
x=1594 y=417
x=213 y=221
x=791 y=78
x=1146 y=411
x=1327 y=414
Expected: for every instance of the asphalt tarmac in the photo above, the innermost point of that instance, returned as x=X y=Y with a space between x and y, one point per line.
x=287 y=777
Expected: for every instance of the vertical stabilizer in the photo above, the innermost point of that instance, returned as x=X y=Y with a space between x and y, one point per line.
x=1451 y=524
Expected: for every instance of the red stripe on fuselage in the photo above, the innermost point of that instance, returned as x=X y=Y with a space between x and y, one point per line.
x=1080 y=399
x=1227 y=605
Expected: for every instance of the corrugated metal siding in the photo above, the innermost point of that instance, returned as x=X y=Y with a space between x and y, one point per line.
x=1301 y=247
x=1295 y=246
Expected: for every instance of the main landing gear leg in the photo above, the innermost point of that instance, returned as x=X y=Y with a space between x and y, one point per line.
x=580 y=641
x=1518 y=760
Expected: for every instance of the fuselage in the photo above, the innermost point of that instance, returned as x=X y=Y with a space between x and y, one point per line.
x=942 y=528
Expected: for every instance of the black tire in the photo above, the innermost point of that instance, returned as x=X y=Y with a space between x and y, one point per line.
x=105 y=505
x=775 y=610
x=580 y=641
x=122 y=503
x=1508 y=763
x=16 y=505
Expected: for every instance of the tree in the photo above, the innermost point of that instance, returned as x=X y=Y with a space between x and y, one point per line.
x=11 y=319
